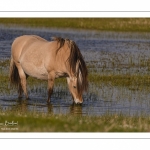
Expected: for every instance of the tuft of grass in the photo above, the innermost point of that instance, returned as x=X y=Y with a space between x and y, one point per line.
x=4 y=63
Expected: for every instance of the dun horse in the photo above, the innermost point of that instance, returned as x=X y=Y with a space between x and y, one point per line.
x=34 y=56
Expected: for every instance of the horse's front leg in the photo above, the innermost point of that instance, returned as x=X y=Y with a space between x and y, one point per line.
x=51 y=79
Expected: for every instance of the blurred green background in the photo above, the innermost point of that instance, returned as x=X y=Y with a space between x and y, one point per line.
x=102 y=24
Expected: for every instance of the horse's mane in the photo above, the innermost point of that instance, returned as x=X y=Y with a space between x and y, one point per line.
x=74 y=59
x=60 y=41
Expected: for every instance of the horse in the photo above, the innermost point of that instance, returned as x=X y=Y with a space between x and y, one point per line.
x=32 y=55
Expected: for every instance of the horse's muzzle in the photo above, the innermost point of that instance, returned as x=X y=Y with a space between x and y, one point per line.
x=78 y=102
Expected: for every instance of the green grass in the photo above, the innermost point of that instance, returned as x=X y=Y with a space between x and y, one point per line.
x=121 y=79
x=129 y=81
x=101 y=24
x=38 y=122
x=134 y=81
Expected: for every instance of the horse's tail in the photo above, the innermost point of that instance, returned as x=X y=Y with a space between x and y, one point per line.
x=13 y=74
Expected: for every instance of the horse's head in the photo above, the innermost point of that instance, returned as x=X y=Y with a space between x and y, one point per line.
x=73 y=87
x=77 y=80
x=76 y=69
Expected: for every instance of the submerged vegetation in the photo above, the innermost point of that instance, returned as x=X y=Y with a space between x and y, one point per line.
x=101 y=24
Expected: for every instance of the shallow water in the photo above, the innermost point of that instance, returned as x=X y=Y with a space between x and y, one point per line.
x=104 y=53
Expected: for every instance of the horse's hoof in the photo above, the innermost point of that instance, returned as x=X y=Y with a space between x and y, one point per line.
x=27 y=98
x=48 y=101
x=19 y=97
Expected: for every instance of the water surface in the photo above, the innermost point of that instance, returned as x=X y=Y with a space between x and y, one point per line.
x=104 y=53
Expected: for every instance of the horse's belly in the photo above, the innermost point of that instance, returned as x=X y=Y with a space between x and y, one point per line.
x=38 y=72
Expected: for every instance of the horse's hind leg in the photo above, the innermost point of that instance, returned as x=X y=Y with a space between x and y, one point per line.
x=20 y=90
x=22 y=85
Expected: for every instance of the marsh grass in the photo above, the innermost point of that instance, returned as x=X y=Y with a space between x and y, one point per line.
x=43 y=122
x=131 y=82
x=102 y=24
x=121 y=80
x=113 y=74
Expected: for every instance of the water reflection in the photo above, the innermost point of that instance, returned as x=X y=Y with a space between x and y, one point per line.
x=76 y=109
x=21 y=106
x=50 y=108
x=24 y=106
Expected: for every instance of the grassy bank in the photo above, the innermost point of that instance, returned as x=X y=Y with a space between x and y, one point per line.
x=101 y=24
x=34 y=122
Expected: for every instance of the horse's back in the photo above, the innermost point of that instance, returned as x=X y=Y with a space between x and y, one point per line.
x=22 y=43
x=25 y=40
x=29 y=37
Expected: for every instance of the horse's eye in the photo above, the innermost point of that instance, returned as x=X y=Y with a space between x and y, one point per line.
x=74 y=86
